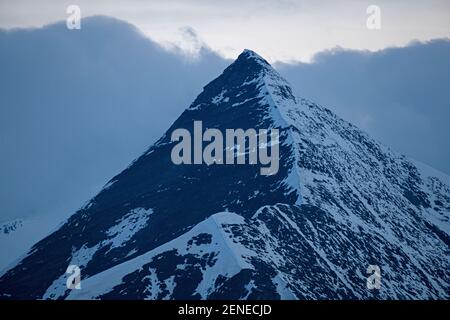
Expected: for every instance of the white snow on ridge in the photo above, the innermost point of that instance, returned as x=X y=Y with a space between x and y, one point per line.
x=220 y=98
x=230 y=258
x=428 y=171
x=119 y=234
x=80 y=258
x=273 y=89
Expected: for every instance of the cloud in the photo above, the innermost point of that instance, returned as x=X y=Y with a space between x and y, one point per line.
x=78 y=105
x=277 y=29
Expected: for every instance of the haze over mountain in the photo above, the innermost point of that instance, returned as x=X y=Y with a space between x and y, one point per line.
x=77 y=106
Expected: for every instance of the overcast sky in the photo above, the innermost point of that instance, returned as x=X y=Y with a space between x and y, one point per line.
x=279 y=30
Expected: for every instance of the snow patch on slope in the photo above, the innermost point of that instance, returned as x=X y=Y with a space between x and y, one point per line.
x=127 y=227
x=119 y=234
x=231 y=258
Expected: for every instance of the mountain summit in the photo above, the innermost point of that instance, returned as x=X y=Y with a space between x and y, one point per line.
x=339 y=206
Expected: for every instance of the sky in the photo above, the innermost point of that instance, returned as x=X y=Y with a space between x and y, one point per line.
x=280 y=30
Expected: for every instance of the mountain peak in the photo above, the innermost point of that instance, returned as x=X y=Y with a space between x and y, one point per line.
x=250 y=60
x=248 y=63
x=253 y=78
x=251 y=55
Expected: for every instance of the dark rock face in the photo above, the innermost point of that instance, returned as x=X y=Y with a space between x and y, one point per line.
x=339 y=203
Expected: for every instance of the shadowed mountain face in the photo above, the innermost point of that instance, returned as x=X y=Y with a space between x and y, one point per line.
x=339 y=202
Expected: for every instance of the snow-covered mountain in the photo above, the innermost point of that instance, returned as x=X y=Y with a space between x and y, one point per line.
x=339 y=203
